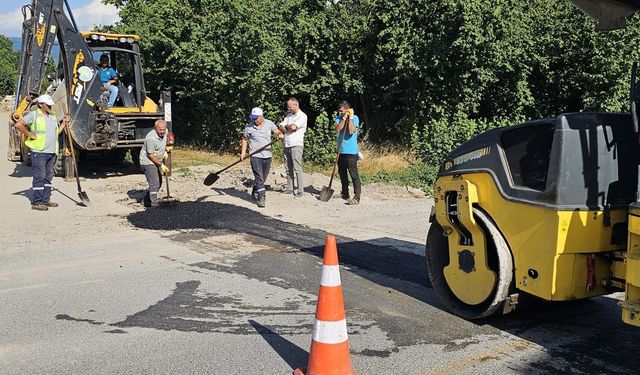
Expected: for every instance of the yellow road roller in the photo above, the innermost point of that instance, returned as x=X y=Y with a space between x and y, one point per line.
x=547 y=207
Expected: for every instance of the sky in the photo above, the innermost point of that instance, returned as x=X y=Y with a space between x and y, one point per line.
x=87 y=13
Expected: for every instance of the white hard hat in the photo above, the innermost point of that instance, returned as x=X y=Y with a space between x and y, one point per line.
x=46 y=99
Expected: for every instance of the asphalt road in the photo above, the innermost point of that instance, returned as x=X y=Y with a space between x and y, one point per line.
x=222 y=288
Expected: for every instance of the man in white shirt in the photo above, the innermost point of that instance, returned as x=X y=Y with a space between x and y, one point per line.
x=293 y=126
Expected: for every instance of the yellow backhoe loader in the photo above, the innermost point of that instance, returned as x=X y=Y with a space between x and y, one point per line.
x=77 y=88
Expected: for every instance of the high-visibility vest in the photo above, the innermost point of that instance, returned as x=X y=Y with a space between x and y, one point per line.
x=39 y=127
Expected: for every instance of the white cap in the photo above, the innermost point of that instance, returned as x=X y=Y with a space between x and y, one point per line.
x=255 y=113
x=46 y=99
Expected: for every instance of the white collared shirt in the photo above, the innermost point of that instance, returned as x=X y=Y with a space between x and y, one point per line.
x=295 y=138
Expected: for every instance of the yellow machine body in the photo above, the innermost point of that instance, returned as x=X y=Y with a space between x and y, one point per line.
x=555 y=245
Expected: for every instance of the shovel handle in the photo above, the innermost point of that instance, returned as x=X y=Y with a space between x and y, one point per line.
x=73 y=158
x=250 y=155
x=344 y=134
x=166 y=181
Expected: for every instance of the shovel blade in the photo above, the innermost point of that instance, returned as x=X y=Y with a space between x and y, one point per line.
x=325 y=194
x=84 y=198
x=211 y=178
x=168 y=201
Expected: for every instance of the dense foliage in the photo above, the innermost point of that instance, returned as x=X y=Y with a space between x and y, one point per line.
x=421 y=74
x=8 y=66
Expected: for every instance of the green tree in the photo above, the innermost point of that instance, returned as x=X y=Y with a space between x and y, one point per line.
x=422 y=74
x=8 y=66
x=229 y=56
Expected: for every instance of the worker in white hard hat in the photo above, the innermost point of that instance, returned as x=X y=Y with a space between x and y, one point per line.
x=41 y=129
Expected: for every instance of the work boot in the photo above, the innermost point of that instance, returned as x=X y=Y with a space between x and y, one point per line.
x=51 y=204
x=262 y=202
x=353 y=201
x=254 y=194
x=344 y=196
x=39 y=207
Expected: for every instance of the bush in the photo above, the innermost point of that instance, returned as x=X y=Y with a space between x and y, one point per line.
x=321 y=141
x=418 y=175
x=8 y=66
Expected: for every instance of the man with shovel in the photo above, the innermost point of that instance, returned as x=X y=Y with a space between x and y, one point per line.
x=348 y=154
x=257 y=134
x=42 y=140
x=152 y=156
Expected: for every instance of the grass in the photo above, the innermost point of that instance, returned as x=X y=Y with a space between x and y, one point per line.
x=376 y=161
x=383 y=159
x=384 y=165
x=186 y=157
x=184 y=172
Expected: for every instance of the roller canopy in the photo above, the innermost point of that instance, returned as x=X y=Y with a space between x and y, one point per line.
x=610 y=14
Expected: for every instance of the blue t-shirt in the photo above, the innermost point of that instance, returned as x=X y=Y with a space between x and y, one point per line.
x=350 y=144
x=107 y=74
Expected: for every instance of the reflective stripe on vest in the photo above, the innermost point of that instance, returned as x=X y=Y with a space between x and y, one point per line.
x=39 y=127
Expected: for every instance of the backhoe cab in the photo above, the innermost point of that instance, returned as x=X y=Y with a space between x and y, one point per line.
x=550 y=208
x=77 y=88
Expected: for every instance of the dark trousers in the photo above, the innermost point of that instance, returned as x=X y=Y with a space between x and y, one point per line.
x=260 y=169
x=154 y=179
x=349 y=163
x=42 y=165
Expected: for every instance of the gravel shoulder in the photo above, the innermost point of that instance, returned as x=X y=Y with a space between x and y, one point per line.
x=388 y=215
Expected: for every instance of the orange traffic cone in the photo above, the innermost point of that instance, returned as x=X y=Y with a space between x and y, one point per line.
x=329 y=354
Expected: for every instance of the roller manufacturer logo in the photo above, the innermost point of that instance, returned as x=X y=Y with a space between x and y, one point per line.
x=42 y=26
x=77 y=89
x=473 y=155
x=447 y=165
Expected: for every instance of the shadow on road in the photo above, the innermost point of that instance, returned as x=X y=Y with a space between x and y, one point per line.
x=233 y=192
x=21 y=170
x=587 y=335
x=291 y=353
x=95 y=168
x=27 y=195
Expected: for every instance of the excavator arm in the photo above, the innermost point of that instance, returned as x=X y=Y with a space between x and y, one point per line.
x=44 y=21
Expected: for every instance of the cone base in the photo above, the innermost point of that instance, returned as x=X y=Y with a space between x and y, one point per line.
x=303 y=371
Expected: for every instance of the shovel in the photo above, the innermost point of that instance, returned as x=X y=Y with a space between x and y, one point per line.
x=326 y=193
x=84 y=198
x=168 y=200
x=213 y=177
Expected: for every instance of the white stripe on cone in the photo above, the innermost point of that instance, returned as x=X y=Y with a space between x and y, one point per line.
x=330 y=276
x=330 y=332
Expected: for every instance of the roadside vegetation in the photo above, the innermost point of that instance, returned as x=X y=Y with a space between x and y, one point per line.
x=8 y=67
x=385 y=165
x=424 y=76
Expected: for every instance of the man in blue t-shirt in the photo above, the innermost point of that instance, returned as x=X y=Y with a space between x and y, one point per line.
x=109 y=78
x=348 y=158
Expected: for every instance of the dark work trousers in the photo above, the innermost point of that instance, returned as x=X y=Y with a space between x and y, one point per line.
x=349 y=163
x=154 y=178
x=42 y=164
x=260 y=167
